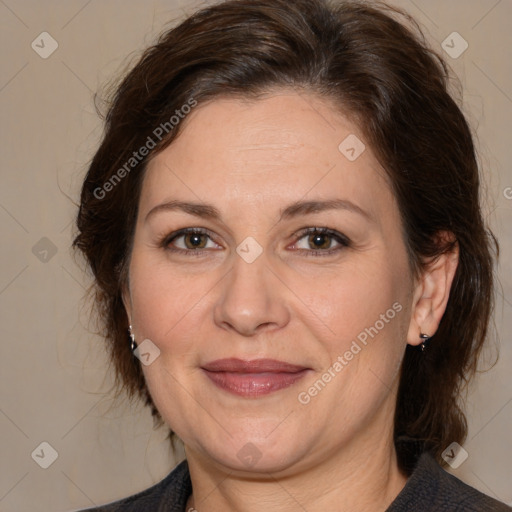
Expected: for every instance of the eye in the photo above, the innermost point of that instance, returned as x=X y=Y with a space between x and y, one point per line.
x=321 y=241
x=189 y=240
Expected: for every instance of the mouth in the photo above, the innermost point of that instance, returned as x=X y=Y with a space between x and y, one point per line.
x=253 y=378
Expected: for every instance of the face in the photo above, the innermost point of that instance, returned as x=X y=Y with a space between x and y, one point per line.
x=269 y=270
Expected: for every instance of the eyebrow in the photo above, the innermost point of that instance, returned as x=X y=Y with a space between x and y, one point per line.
x=197 y=209
x=293 y=210
x=308 y=207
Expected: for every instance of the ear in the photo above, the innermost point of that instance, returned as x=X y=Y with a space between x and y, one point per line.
x=431 y=293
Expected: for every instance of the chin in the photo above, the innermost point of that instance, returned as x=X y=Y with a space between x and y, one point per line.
x=254 y=452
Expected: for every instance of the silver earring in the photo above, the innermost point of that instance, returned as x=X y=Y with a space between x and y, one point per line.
x=424 y=343
x=133 y=345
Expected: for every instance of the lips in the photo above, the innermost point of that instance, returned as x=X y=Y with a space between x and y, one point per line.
x=253 y=378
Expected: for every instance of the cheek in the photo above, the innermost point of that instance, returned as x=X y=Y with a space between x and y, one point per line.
x=163 y=298
x=353 y=297
x=364 y=305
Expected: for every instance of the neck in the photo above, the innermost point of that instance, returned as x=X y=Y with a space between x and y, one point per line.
x=361 y=477
x=371 y=488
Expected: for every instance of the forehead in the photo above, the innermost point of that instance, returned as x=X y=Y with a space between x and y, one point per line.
x=273 y=150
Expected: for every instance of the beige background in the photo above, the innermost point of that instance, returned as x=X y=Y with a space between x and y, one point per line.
x=53 y=371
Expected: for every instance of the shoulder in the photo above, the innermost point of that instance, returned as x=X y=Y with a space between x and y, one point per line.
x=170 y=494
x=431 y=488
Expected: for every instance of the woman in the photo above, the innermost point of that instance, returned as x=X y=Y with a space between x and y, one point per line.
x=290 y=259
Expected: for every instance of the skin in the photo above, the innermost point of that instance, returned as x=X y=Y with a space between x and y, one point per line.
x=250 y=160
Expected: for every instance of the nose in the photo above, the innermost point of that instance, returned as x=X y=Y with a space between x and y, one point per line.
x=252 y=299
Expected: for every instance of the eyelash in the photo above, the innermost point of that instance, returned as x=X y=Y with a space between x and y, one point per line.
x=342 y=240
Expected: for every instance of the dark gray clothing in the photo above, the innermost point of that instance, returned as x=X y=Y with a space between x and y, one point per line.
x=428 y=489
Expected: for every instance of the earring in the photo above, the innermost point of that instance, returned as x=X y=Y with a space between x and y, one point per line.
x=133 y=346
x=424 y=343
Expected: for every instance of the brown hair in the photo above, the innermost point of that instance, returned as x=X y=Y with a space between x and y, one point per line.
x=384 y=76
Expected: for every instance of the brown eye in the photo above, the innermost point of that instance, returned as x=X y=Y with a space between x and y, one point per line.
x=189 y=240
x=195 y=240
x=320 y=241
